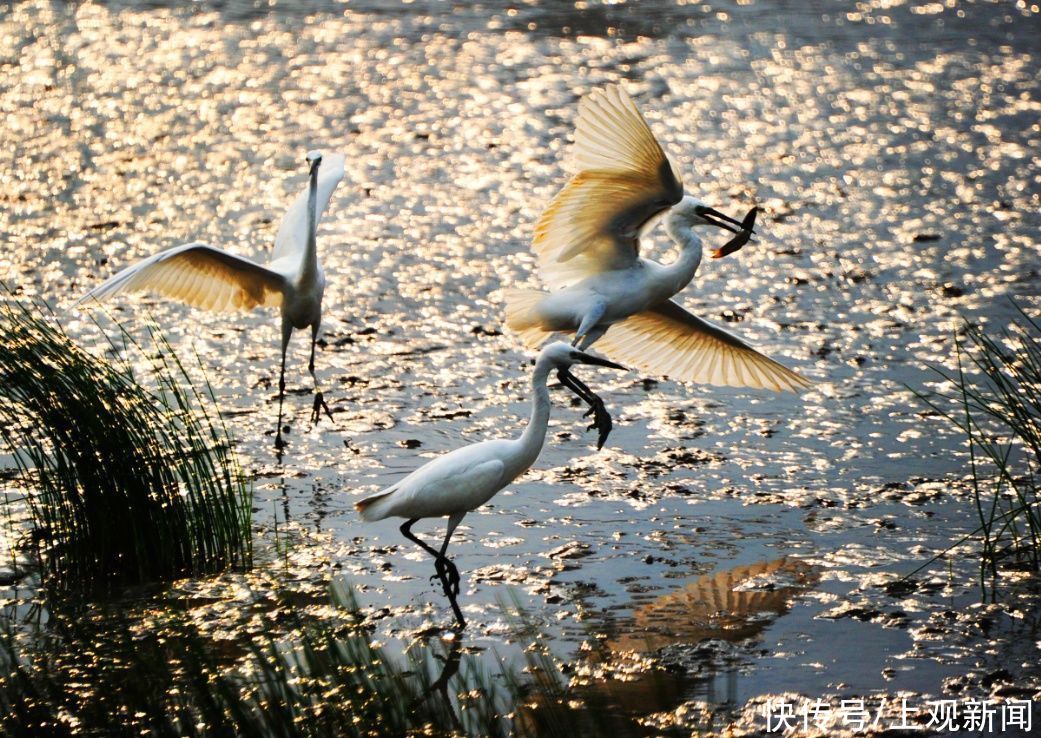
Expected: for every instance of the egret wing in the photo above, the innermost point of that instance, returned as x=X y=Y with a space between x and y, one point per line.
x=457 y=482
x=669 y=340
x=292 y=233
x=199 y=275
x=624 y=180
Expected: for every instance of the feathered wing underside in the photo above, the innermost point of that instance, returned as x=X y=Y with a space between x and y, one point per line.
x=669 y=340
x=624 y=180
x=292 y=233
x=198 y=275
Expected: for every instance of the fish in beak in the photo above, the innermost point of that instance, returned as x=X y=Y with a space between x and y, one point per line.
x=741 y=238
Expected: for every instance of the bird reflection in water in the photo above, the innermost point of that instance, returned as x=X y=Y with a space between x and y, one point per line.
x=733 y=606
x=437 y=691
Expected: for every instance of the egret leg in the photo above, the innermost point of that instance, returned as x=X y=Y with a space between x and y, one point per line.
x=287 y=331
x=446 y=570
x=452 y=591
x=588 y=325
x=439 y=563
x=591 y=337
x=453 y=572
x=319 y=399
x=601 y=418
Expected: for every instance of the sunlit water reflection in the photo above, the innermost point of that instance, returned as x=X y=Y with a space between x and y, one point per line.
x=893 y=148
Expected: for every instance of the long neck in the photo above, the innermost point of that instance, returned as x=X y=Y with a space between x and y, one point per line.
x=310 y=266
x=535 y=434
x=679 y=273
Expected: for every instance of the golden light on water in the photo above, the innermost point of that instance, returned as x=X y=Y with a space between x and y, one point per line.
x=893 y=149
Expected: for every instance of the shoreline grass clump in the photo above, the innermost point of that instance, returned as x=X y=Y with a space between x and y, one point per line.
x=997 y=404
x=129 y=480
x=313 y=674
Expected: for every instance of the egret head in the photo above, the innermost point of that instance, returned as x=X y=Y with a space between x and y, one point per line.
x=314 y=158
x=560 y=355
x=690 y=212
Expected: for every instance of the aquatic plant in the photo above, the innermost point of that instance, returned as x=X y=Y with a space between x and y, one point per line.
x=128 y=481
x=997 y=404
x=323 y=676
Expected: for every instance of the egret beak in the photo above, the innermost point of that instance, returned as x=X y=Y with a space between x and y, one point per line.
x=741 y=238
x=597 y=361
x=716 y=218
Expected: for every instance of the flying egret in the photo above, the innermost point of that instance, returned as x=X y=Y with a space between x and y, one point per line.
x=463 y=480
x=587 y=243
x=211 y=279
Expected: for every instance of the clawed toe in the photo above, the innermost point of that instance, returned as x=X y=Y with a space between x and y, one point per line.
x=601 y=421
x=604 y=425
x=453 y=578
x=318 y=407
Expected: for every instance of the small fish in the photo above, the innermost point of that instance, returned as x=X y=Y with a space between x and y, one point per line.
x=741 y=238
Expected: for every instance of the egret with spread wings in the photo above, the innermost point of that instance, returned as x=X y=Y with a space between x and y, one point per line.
x=587 y=243
x=463 y=480
x=208 y=278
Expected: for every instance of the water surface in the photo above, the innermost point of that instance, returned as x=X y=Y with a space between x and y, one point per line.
x=893 y=149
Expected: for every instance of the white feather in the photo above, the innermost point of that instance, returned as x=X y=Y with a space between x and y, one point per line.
x=624 y=179
x=198 y=275
x=291 y=239
x=669 y=340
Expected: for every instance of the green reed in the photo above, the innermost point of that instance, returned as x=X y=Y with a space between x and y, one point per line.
x=319 y=675
x=129 y=480
x=997 y=404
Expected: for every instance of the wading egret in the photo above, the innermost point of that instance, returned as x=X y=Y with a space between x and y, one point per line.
x=587 y=243
x=211 y=279
x=463 y=480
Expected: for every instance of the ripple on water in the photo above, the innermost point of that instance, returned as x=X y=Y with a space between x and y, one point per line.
x=892 y=149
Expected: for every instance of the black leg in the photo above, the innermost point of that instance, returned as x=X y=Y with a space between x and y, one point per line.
x=406 y=530
x=446 y=570
x=279 y=443
x=450 y=568
x=601 y=418
x=452 y=579
x=319 y=398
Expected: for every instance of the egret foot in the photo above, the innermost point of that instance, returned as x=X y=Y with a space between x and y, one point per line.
x=457 y=612
x=453 y=577
x=448 y=574
x=440 y=576
x=319 y=405
x=601 y=418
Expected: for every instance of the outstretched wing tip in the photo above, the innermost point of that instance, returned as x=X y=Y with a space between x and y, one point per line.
x=624 y=179
x=671 y=341
x=198 y=275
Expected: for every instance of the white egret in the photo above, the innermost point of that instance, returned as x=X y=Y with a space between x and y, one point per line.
x=463 y=480
x=587 y=242
x=212 y=279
